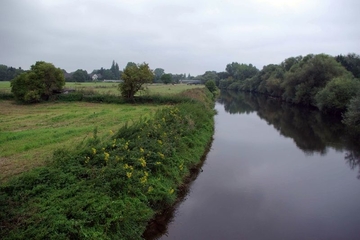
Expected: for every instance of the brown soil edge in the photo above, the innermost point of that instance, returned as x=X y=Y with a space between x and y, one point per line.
x=159 y=224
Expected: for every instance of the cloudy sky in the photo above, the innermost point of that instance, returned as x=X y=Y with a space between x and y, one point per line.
x=181 y=36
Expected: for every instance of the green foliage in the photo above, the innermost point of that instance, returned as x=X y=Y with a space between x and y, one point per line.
x=8 y=73
x=158 y=72
x=211 y=86
x=337 y=94
x=135 y=76
x=352 y=116
x=40 y=83
x=166 y=78
x=241 y=71
x=111 y=189
x=351 y=62
x=80 y=76
x=309 y=76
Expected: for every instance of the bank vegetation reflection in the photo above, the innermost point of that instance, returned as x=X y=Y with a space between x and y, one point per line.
x=312 y=131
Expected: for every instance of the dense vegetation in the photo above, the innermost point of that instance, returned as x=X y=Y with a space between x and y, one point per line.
x=328 y=83
x=39 y=83
x=110 y=189
x=8 y=73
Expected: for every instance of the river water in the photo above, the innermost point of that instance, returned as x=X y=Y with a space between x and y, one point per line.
x=274 y=171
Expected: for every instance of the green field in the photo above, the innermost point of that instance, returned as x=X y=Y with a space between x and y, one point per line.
x=30 y=133
x=111 y=88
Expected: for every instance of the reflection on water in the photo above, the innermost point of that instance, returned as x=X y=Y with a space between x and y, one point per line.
x=311 y=130
x=274 y=171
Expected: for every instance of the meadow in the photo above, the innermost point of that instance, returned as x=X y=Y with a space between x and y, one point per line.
x=30 y=133
x=112 y=88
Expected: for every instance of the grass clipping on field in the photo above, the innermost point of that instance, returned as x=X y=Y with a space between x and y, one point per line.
x=110 y=190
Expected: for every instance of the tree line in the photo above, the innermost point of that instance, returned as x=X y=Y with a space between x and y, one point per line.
x=330 y=84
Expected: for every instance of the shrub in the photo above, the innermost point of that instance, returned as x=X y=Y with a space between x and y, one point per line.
x=40 y=83
x=337 y=94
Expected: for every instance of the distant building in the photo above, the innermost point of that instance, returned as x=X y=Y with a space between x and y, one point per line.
x=95 y=77
x=114 y=81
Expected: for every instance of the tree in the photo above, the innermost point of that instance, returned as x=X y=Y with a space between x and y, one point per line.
x=337 y=94
x=158 y=72
x=351 y=62
x=166 y=78
x=80 y=76
x=39 y=83
x=135 y=76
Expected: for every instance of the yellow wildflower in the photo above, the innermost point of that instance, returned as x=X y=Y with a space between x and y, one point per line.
x=161 y=155
x=158 y=163
x=106 y=156
x=160 y=142
x=141 y=150
x=87 y=159
x=142 y=161
x=150 y=189
x=143 y=179
x=171 y=191
x=128 y=174
x=93 y=151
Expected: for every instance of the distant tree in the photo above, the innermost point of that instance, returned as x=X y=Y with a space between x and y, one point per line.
x=135 y=76
x=241 y=71
x=8 y=73
x=42 y=81
x=80 y=76
x=158 y=72
x=210 y=75
x=114 y=70
x=130 y=64
x=166 y=78
x=351 y=62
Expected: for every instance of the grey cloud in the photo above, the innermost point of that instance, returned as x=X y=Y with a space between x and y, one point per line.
x=179 y=36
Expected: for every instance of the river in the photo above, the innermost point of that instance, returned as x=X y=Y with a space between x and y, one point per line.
x=274 y=171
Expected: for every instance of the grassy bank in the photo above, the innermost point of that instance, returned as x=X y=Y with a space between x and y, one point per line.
x=30 y=133
x=110 y=189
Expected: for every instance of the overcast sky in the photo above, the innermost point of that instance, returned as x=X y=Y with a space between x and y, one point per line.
x=181 y=36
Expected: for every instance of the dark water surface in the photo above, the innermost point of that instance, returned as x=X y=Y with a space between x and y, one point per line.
x=274 y=172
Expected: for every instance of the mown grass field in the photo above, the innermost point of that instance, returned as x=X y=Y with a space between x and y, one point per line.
x=30 y=133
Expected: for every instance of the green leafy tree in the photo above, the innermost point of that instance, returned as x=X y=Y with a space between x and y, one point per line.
x=158 y=72
x=306 y=78
x=39 y=83
x=135 y=76
x=166 y=78
x=80 y=76
x=337 y=94
x=351 y=62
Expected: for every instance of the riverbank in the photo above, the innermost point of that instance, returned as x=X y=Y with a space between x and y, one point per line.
x=111 y=189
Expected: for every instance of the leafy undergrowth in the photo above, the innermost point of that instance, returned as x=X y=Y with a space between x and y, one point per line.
x=109 y=190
